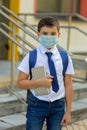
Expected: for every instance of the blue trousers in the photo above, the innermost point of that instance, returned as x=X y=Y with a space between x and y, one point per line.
x=39 y=111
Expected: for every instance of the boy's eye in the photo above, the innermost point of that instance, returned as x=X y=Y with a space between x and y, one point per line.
x=53 y=33
x=44 y=33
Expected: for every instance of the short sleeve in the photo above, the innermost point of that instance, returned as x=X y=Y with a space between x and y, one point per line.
x=70 y=68
x=24 y=65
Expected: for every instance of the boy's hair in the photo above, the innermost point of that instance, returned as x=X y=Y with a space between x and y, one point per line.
x=48 y=21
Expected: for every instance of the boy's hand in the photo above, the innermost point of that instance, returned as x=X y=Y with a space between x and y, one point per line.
x=66 y=120
x=46 y=81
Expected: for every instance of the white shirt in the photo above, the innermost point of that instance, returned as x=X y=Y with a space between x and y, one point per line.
x=43 y=61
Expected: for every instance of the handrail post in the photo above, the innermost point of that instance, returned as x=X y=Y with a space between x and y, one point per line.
x=86 y=67
x=69 y=32
x=1 y=2
x=13 y=59
x=24 y=35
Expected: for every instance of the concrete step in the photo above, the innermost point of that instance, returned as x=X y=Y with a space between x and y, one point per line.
x=79 y=109
x=80 y=90
x=10 y=104
x=16 y=121
x=79 y=118
x=3 y=90
x=8 y=89
x=80 y=68
x=80 y=76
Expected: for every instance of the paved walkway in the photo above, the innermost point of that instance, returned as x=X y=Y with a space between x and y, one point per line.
x=5 y=72
x=80 y=125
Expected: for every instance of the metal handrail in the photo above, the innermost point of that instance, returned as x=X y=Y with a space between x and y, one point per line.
x=15 y=16
x=18 y=25
x=24 y=40
x=67 y=15
x=18 y=96
x=32 y=46
x=29 y=33
x=43 y=14
x=71 y=27
x=26 y=50
x=18 y=36
x=18 y=43
x=32 y=35
x=74 y=27
x=56 y=14
x=12 y=39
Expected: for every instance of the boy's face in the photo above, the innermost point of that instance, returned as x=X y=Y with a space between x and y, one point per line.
x=48 y=36
x=46 y=30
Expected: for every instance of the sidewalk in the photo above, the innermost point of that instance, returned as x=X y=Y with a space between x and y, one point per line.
x=5 y=72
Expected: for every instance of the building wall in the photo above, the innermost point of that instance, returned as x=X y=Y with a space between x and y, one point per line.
x=60 y=6
x=27 y=6
x=78 y=41
x=83 y=8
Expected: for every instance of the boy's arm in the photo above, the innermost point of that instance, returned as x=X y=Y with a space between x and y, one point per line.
x=24 y=83
x=68 y=95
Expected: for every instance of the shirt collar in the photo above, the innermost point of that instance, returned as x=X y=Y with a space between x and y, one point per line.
x=44 y=50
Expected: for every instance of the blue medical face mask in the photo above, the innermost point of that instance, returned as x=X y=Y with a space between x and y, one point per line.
x=48 y=41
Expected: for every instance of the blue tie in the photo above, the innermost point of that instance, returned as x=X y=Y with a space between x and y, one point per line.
x=55 y=85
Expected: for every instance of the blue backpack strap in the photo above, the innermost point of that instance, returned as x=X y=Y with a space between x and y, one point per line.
x=32 y=62
x=64 y=57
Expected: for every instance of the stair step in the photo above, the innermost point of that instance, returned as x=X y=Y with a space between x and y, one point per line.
x=81 y=80
x=10 y=104
x=80 y=90
x=7 y=89
x=17 y=121
x=3 y=90
x=10 y=107
x=79 y=109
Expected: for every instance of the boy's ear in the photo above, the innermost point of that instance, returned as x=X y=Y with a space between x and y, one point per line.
x=59 y=34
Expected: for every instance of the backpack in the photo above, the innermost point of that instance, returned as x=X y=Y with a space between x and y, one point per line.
x=33 y=58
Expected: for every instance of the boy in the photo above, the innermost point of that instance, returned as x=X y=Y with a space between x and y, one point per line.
x=51 y=106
